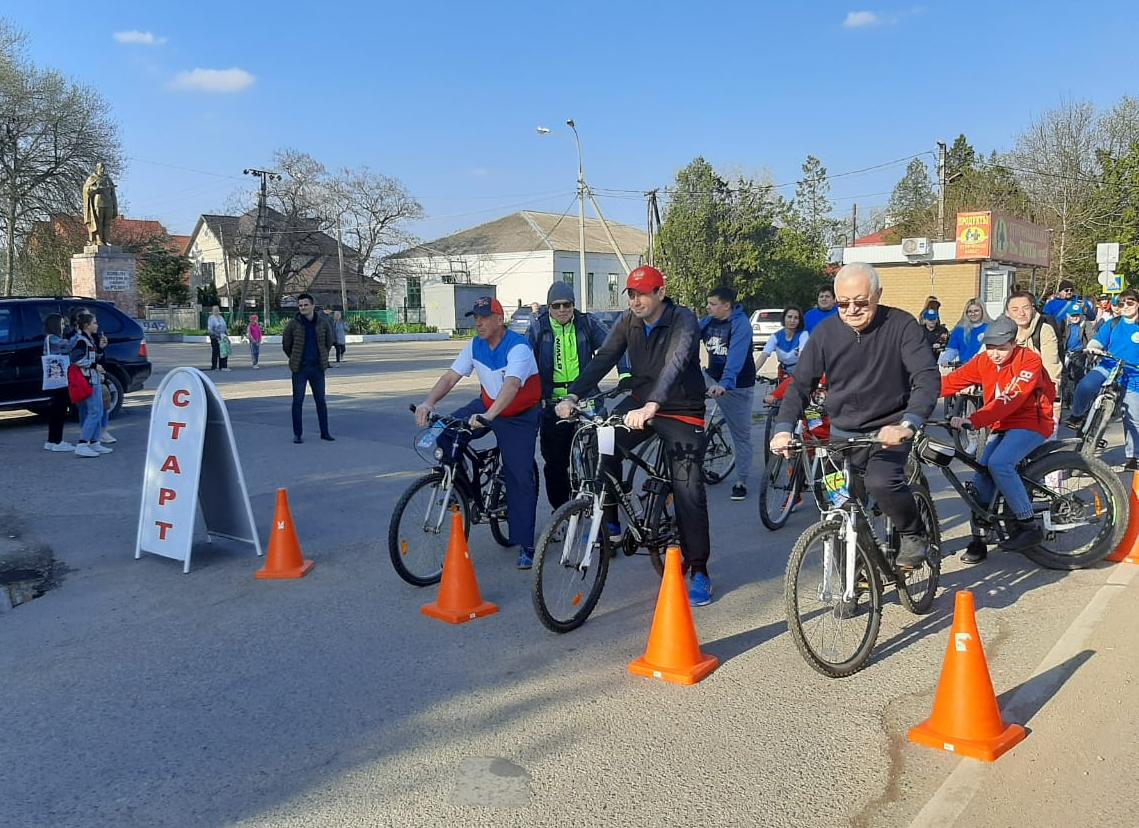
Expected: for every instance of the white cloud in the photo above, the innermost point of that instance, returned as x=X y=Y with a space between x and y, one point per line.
x=862 y=19
x=213 y=80
x=137 y=38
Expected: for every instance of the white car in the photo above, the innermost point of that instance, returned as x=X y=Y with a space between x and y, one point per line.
x=764 y=323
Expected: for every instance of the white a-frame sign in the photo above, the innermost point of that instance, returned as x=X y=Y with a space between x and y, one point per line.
x=191 y=462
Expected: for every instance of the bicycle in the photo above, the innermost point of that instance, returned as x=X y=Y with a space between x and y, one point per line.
x=840 y=565
x=964 y=404
x=1088 y=495
x=719 y=451
x=1104 y=408
x=783 y=480
x=463 y=476
x=571 y=559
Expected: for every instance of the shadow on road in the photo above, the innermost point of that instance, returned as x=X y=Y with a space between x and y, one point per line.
x=1021 y=703
x=728 y=648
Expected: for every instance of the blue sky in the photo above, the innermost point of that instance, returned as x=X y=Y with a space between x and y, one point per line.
x=446 y=96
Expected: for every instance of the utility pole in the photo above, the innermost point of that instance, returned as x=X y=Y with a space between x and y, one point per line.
x=941 y=190
x=853 y=223
x=265 y=176
x=340 y=259
x=584 y=296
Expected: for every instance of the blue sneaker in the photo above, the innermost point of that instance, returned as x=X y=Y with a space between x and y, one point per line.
x=700 y=590
x=614 y=531
x=525 y=558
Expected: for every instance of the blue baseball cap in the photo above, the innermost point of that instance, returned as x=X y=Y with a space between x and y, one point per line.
x=485 y=306
x=930 y=316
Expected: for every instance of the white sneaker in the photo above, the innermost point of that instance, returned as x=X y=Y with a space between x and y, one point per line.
x=63 y=445
x=101 y=449
x=227 y=370
x=85 y=450
x=108 y=437
x=256 y=367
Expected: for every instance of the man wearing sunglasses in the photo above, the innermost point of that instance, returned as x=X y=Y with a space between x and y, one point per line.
x=564 y=342
x=666 y=398
x=882 y=381
x=1117 y=338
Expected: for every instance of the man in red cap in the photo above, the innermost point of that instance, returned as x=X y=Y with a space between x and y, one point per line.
x=667 y=398
x=511 y=391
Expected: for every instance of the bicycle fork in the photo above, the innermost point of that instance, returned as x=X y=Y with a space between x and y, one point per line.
x=849 y=538
x=447 y=485
x=595 y=519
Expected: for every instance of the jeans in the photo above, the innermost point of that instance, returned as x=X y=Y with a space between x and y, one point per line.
x=736 y=406
x=216 y=359
x=515 y=436
x=684 y=444
x=313 y=376
x=1002 y=453
x=1085 y=394
x=255 y=351
x=91 y=414
x=883 y=472
x=57 y=414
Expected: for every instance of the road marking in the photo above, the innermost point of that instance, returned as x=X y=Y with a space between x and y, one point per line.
x=957 y=791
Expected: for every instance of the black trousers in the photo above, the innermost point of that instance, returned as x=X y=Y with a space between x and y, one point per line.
x=883 y=473
x=684 y=447
x=554 y=439
x=216 y=359
x=313 y=377
x=57 y=414
x=339 y=350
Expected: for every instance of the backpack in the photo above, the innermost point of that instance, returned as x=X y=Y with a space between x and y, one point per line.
x=1057 y=328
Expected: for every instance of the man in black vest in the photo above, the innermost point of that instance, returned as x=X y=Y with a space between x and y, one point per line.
x=564 y=342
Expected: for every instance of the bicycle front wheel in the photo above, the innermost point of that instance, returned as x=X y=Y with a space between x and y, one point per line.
x=420 y=529
x=1084 y=517
x=569 y=572
x=834 y=633
x=779 y=490
x=719 y=454
x=970 y=442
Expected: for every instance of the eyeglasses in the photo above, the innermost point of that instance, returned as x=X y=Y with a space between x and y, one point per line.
x=862 y=304
x=1129 y=302
x=561 y=305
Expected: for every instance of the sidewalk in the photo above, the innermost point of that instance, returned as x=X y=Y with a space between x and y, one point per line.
x=1075 y=766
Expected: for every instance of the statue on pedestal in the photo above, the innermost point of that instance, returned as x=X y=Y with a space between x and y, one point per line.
x=100 y=206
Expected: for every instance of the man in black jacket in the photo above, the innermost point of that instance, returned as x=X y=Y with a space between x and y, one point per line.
x=564 y=342
x=667 y=398
x=882 y=381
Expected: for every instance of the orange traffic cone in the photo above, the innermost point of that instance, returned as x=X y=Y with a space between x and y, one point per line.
x=284 y=559
x=966 y=718
x=673 y=653
x=1128 y=549
x=459 y=599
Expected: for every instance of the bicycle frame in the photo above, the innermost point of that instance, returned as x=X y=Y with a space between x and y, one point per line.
x=463 y=468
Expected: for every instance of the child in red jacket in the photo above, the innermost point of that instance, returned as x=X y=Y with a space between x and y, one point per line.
x=1018 y=411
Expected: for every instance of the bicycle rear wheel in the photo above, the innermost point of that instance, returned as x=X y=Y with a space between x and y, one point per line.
x=918 y=587
x=834 y=635
x=569 y=572
x=1086 y=519
x=779 y=490
x=719 y=454
x=420 y=529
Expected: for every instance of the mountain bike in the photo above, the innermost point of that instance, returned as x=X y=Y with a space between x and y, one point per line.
x=839 y=566
x=1080 y=502
x=1106 y=406
x=964 y=404
x=719 y=451
x=463 y=476
x=784 y=479
x=571 y=559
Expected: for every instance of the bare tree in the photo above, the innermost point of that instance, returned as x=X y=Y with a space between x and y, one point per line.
x=1055 y=160
x=52 y=133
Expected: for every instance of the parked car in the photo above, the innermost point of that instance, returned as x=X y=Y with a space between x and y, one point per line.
x=521 y=319
x=607 y=317
x=764 y=323
x=21 y=346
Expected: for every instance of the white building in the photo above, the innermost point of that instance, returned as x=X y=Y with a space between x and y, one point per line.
x=521 y=255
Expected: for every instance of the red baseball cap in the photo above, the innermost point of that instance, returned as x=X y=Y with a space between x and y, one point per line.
x=485 y=306
x=645 y=279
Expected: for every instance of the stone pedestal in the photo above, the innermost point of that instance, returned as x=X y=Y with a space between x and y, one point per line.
x=105 y=272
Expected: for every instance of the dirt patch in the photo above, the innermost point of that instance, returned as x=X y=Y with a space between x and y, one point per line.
x=28 y=568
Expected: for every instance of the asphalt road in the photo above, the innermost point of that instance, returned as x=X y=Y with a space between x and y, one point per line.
x=136 y=695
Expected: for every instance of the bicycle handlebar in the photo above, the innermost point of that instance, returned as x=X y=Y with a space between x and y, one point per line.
x=965 y=426
x=451 y=422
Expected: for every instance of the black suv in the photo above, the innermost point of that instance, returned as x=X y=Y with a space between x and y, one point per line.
x=22 y=343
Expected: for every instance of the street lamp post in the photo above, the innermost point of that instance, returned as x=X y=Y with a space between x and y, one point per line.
x=581 y=214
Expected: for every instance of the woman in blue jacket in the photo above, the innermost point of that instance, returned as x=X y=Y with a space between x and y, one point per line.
x=965 y=339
